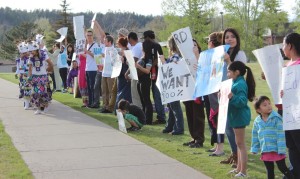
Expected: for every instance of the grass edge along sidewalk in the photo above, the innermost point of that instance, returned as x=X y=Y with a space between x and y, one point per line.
x=172 y=145
x=11 y=163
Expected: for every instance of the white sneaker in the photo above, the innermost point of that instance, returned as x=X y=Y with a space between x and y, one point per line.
x=26 y=104
x=46 y=109
x=240 y=175
x=38 y=112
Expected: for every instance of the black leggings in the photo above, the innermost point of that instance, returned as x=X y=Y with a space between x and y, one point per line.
x=63 y=75
x=281 y=166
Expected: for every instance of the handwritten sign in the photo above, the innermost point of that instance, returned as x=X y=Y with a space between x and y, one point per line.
x=79 y=46
x=78 y=22
x=98 y=55
x=223 y=105
x=175 y=82
x=291 y=97
x=271 y=62
x=184 y=41
x=131 y=64
x=121 y=122
x=210 y=71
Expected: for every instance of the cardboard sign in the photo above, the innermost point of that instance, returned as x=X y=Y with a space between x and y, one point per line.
x=223 y=105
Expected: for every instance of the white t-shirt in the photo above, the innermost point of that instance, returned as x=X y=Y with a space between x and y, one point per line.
x=240 y=56
x=137 y=50
x=41 y=64
x=110 y=55
x=90 y=61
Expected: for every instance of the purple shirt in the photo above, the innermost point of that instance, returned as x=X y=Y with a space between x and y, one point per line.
x=73 y=73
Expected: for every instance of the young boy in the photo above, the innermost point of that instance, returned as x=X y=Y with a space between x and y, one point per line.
x=133 y=114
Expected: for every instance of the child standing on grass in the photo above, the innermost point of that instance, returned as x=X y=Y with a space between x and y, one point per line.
x=239 y=114
x=268 y=137
x=133 y=114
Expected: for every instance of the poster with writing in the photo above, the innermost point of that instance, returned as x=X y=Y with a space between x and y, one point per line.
x=184 y=41
x=271 y=62
x=223 y=105
x=99 y=55
x=121 y=122
x=63 y=33
x=291 y=97
x=80 y=46
x=175 y=82
x=78 y=23
x=210 y=71
x=131 y=64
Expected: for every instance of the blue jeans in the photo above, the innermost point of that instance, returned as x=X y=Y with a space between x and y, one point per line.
x=231 y=137
x=159 y=108
x=90 y=78
x=175 y=120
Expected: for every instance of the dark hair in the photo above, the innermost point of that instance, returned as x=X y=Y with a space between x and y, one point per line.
x=133 y=36
x=57 y=45
x=216 y=38
x=109 y=38
x=123 y=41
x=123 y=105
x=259 y=100
x=148 y=46
x=106 y=33
x=198 y=46
x=294 y=40
x=70 y=45
x=240 y=66
x=237 y=48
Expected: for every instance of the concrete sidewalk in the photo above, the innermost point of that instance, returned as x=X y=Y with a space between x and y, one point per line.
x=67 y=144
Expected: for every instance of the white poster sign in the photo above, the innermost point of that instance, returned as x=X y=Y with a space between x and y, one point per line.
x=78 y=22
x=175 y=82
x=121 y=121
x=80 y=46
x=63 y=33
x=271 y=62
x=210 y=71
x=116 y=67
x=291 y=97
x=94 y=18
x=184 y=41
x=223 y=105
x=131 y=64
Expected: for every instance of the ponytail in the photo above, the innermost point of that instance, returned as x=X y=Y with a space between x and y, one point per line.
x=251 y=84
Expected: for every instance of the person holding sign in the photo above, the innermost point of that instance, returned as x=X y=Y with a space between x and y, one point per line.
x=232 y=38
x=215 y=40
x=174 y=124
x=291 y=49
x=195 y=114
x=239 y=114
x=268 y=137
x=133 y=114
x=123 y=85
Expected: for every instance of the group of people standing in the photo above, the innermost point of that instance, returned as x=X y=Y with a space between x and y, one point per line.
x=132 y=97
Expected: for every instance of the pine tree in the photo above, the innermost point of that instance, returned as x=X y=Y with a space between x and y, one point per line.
x=66 y=21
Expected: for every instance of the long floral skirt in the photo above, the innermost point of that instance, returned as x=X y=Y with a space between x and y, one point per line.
x=40 y=96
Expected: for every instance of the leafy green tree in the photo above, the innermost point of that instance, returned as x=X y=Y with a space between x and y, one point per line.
x=197 y=14
x=45 y=28
x=23 y=32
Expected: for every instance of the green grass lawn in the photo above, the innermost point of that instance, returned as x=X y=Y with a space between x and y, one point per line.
x=11 y=163
x=172 y=145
